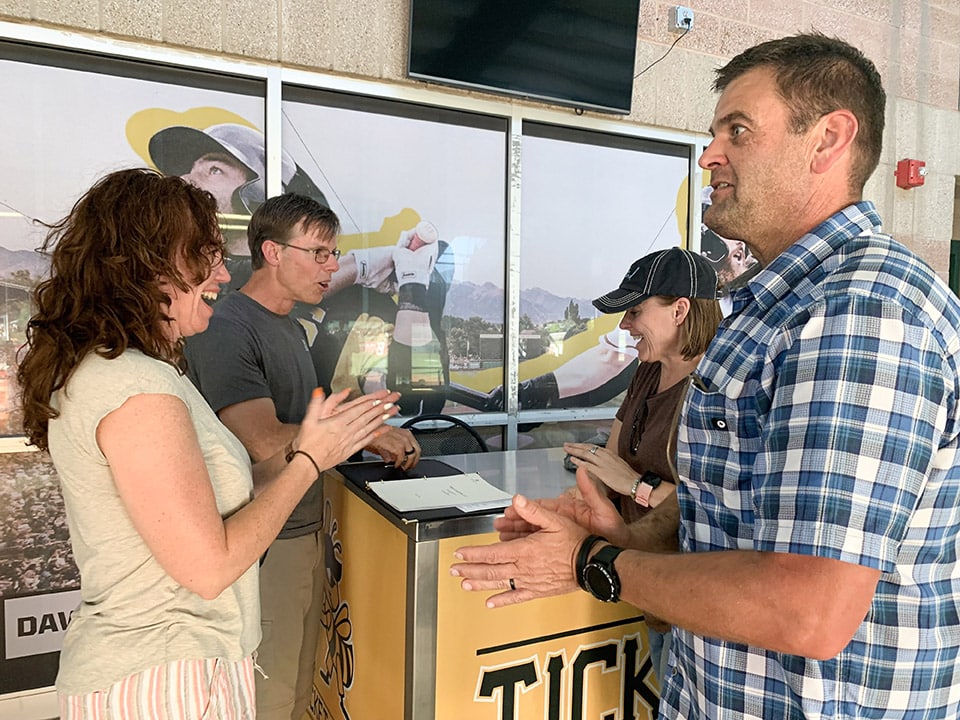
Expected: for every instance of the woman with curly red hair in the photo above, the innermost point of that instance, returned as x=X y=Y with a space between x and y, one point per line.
x=167 y=517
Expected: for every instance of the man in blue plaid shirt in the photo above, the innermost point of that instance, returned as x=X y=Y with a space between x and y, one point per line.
x=819 y=508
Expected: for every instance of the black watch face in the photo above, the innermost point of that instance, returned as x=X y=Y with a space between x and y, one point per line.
x=651 y=479
x=601 y=584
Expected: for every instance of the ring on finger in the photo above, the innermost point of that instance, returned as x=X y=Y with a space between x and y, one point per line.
x=593 y=450
x=411 y=451
x=513 y=585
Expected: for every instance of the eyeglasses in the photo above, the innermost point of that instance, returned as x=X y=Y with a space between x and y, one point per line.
x=639 y=425
x=320 y=254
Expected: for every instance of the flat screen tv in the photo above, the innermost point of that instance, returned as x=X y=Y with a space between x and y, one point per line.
x=571 y=52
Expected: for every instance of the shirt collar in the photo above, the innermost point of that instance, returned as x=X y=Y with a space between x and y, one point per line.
x=786 y=270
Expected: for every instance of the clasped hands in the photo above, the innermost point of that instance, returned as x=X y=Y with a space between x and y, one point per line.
x=397 y=447
x=539 y=539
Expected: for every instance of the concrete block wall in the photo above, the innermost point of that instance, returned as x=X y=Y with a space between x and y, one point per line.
x=915 y=43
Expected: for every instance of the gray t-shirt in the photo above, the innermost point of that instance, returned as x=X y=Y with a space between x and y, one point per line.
x=133 y=615
x=249 y=352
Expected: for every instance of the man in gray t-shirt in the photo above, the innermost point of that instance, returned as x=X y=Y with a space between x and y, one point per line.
x=254 y=367
x=248 y=353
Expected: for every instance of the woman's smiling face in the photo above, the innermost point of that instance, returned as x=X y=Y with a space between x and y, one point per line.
x=190 y=311
x=653 y=325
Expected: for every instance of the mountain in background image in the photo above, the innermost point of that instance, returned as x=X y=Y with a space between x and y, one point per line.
x=467 y=299
x=13 y=262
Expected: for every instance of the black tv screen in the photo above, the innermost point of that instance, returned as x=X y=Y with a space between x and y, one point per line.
x=572 y=52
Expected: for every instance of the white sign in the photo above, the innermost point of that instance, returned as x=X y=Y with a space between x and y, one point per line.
x=35 y=625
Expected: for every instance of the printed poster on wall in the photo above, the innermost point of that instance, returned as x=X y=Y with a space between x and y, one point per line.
x=39 y=581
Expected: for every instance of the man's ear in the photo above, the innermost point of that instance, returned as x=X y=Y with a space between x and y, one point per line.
x=271 y=252
x=834 y=134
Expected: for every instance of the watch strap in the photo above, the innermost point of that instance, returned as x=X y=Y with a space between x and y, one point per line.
x=644 y=487
x=607 y=554
x=582 y=554
x=641 y=496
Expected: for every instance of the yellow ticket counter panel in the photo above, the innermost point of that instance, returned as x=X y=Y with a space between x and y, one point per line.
x=402 y=640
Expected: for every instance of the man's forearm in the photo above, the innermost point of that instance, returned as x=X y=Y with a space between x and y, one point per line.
x=797 y=604
x=269 y=459
x=658 y=530
x=758 y=598
x=345 y=276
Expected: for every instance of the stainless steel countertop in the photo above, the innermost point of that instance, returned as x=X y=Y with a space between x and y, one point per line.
x=534 y=473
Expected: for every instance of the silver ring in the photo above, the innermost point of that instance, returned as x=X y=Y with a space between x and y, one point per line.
x=593 y=450
x=513 y=585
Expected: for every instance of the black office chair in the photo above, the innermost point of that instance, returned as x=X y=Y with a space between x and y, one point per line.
x=445 y=435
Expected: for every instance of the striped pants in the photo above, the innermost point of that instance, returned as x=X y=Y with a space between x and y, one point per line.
x=212 y=689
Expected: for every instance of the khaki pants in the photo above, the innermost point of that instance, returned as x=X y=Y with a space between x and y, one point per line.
x=290 y=604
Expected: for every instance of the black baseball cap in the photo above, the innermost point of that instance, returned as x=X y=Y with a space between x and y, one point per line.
x=668 y=273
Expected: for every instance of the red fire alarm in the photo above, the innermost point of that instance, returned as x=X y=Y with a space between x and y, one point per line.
x=910 y=173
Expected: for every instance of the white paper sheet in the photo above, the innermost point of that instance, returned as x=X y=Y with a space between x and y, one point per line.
x=468 y=492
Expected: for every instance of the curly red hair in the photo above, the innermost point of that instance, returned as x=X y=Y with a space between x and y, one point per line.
x=131 y=230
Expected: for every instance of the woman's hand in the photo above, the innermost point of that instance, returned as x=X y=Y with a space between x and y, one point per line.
x=603 y=464
x=332 y=429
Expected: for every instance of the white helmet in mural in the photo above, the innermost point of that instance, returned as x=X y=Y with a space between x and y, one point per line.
x=730 y=258
x=174 y=150
x=712 y=246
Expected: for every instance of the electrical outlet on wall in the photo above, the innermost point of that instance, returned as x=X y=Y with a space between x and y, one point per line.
x=681 y=18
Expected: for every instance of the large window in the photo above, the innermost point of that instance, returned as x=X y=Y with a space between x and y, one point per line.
x=77 y=118
x=592 y=204
x=393 y=172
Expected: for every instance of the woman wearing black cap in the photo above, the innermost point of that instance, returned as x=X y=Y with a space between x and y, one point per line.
x=669 y=301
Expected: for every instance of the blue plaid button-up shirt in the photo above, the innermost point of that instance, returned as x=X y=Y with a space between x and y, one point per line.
x=825 y=422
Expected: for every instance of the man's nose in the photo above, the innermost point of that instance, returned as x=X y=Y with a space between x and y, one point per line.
x=712 y=155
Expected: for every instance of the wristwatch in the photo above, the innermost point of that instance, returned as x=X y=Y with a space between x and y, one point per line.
x=644 y=486
x=600 y=577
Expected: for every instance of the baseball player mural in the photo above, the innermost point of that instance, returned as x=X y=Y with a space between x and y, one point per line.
x=382 y=322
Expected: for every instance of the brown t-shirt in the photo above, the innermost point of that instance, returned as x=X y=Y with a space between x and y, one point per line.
x=648 y=420
x=654 y=427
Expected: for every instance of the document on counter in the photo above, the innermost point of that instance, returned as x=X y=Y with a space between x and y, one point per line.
x=468 y=492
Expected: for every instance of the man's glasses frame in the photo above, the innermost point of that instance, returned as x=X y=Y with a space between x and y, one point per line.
x=320 y=254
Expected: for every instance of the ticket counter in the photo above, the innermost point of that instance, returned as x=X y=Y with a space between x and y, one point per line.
x=402 y=640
